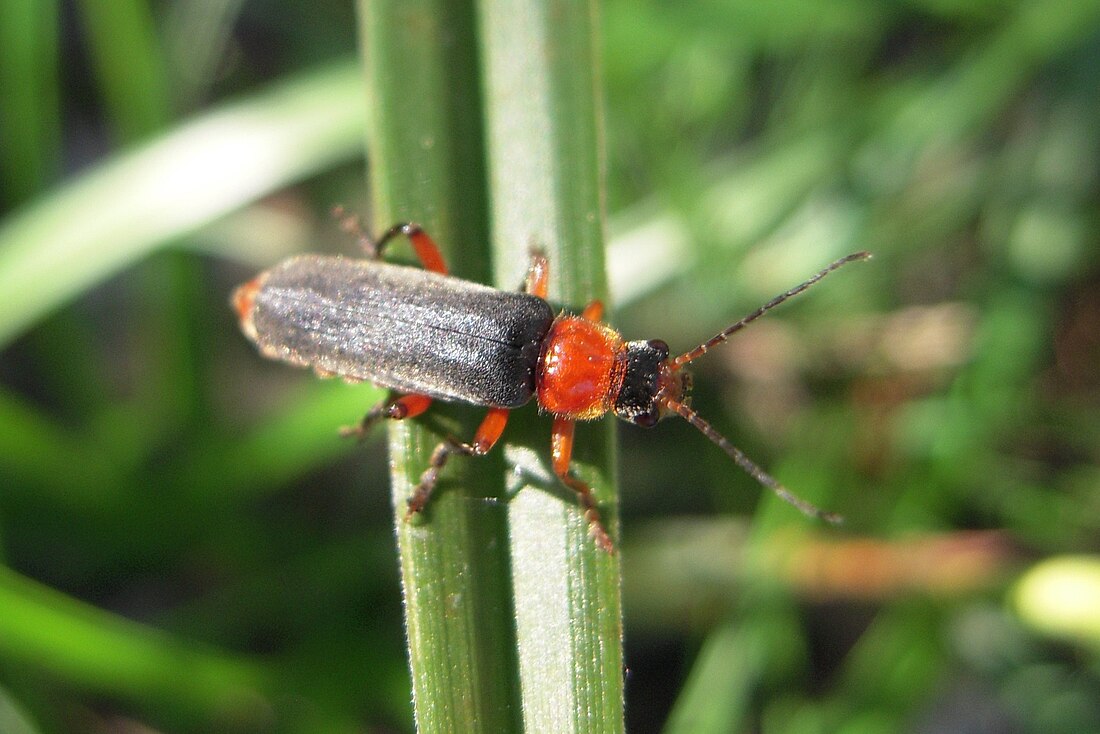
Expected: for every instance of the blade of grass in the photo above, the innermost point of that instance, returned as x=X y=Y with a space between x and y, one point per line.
x=544 y=150
x=13 y=719
x=29 y=118
x=129 y=64
x=716 y=695
x=106 y=653
x=427 y=165
x=972 y=94
x=80 y=234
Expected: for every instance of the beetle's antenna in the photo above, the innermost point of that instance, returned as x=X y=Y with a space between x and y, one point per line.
x=700 y=350
x=749 y=465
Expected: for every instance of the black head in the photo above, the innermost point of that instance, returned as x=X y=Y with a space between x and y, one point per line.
x=648 y=378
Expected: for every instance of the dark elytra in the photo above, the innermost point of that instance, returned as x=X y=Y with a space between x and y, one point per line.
x=404 y=328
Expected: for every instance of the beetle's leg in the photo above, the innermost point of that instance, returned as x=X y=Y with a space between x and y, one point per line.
x=350 y=223
x=486 y=436
x=406 y=406
x=538 y=276
x=593 y=311
x=561 y=452
x=426 y=250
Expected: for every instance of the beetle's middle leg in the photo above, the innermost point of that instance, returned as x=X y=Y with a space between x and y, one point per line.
x=486 y=436
x=406 y=406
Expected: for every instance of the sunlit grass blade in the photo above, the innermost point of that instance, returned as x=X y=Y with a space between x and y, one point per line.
x=545 y=152
x=74 y=237
x=425 y=151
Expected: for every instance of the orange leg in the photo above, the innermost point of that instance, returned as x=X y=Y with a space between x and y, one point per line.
x=406 y=406
x=427 y=251
x=537 y=284
x=561 y=452
x=593 y=311
x=486 y=436
x=538 y=276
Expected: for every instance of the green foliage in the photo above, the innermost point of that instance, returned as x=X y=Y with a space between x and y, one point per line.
x=188 y=546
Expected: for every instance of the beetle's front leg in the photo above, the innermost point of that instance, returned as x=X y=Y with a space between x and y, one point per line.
x=561 y=454
x=537 y=282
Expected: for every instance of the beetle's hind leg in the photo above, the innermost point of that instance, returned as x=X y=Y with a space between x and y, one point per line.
x=406 y=406
x=486 y=436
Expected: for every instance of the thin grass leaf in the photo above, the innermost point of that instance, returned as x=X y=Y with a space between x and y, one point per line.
x=94 y=648
x=76 y=236
x=29 y=117
x=715 y=698
x=427 y=166
x=545 y=152
x=129 y=64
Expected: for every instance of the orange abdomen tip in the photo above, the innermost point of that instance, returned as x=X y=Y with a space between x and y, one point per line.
x=244 y=300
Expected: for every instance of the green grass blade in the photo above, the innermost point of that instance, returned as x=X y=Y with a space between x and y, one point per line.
x=129 y=64
x=427 y=165
x=13 y=719
x=544 y=149
x=94 y=648
x=716 y=695
x=57 y=247
x=29 y=117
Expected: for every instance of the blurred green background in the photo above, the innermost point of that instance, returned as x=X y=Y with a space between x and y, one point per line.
x=188 y=546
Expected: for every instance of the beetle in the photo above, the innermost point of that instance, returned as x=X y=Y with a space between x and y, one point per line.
x=428 y=336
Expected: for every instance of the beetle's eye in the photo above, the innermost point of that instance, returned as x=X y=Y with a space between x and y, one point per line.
x=659 y=346
x=647 y=419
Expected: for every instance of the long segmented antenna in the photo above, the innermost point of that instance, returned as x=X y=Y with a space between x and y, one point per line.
x=700 y=350
x=748 y=464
